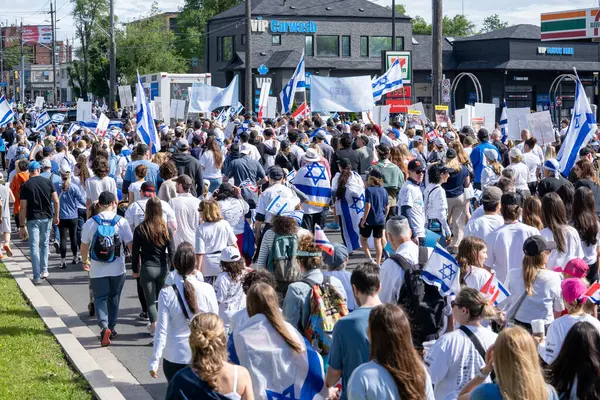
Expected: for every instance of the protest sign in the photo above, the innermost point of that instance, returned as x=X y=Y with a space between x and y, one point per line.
x=517 y=121
x=102 y=126
x=487 y=111
x=441 y=114
x=125 y=96
x=177 y=109
x=84 y=110
x=540 y=126
x=351 y=94
x=39 y=102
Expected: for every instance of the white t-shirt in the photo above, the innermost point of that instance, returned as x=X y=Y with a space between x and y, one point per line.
x=185 y=207
x=371 y=381
x=211 y=239
x=233 y=211
x=483 y=226
x=254 y=153
x=210 y=170
x=521 y=175
x=572 y=243
x=100 y=269
x=545 y=299
x=478 y=213
x=477 y=277
x=94 y=186
x=270 y=160
x=230 y=296
x=411 y=195
x=489 y=177
x=505 y=247
x=136 y=212
x=135 y=189
x=298 y=151
x=533 y=165
x=557 y=332
x=453 y=360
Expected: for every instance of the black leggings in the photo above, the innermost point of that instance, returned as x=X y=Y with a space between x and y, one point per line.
x=170 y=369
x=141 y=297
x=68 y=225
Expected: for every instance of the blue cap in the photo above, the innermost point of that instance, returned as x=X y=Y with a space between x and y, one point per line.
x=34 y=165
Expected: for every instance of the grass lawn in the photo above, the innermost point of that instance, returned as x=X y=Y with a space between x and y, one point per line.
x=32 y=364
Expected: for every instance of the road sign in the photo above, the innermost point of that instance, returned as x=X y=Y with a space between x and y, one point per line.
x=446 y=83
x=3 y=84
x=559 y=101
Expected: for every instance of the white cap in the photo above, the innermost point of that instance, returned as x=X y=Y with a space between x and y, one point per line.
x=65 y=169
x=230 y=254
x=515 y=152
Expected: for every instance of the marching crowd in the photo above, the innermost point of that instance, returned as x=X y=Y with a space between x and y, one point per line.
x=245 y=296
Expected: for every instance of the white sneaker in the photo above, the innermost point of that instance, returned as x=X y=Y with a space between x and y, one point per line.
x=149 y=329
x=45 y=275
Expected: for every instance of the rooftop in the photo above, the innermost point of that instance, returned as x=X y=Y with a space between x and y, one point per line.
x=523 y=31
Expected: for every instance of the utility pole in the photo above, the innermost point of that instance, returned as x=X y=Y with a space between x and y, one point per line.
x=248 y=61
x=2 y=61
x=436 y=57
x=113 y=58
x=53 y=23
x=394 y=25
x=22 y=77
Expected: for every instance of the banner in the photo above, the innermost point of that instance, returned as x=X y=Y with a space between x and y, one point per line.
x=34 y=34
x=205 y=98
x=177 y=109
x=487 y=111
x=541 y=127
x=125 y=96
x=351 y=94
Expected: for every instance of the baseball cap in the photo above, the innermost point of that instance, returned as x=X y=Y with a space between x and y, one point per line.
x=48 y=149
x=491 y=154
x=65 y=169
x=60 y=146
x=511 y=199
x=106 y=198
x=275 y=173
x=230 y=254
x=418 y=139
x=320 y=134
x=182 y=144
x=536 y=245
x=376 y=174
x=585 y=151
x=339 y=257
x=577 y=268
x=383 y=148
x=451 y=154
x=416 y=165
x=148 y=187
x=573 y=289
x=491 y=194
x=450 y=135
x=514 y=152
x=46 y=163
x=33 y=165
x=439 y=142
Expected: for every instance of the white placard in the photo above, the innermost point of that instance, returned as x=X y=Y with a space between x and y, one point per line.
x=125 y=96
x=39 y=102
x=84 y=111
x=463 y=117
x=102 y=126
x=487 y=111
x=517 y=121
x=158 y=108
x=350 y=94
x=419 y=107
x=271 y=107
x=540 y=126
x=365 y=116
x=381 y=116
x=177 y=109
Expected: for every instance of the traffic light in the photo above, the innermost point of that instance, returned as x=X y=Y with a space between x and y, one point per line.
x=16 y=74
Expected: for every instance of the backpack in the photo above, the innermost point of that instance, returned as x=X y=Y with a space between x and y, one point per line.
x=422 y=302
x=106 y=244
x=327 y=306
x=282 y=261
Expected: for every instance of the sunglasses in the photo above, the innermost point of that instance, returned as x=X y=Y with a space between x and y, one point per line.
x=419 y=172
x=455 y=304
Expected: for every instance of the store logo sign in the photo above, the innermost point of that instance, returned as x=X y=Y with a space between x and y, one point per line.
x=556 y=51
x=258 y=25
x=293 y=26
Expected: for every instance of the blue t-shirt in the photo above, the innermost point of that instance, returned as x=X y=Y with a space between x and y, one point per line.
x=455 y=185
x=491 y=391
x=378 y=198
x=350 y=345
x=152 y=174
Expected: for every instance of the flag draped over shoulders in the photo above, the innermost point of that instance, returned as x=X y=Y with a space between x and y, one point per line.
x=313 y=180
x=351 y=209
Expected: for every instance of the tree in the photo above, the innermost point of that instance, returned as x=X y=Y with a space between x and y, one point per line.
x=420 y=26
x=191 y=25
x=400 y=9
x=493 y=23
x=459 y=25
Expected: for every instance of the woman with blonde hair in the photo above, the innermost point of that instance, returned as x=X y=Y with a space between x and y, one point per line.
x=519 y=375
x=472 y=253
x=209 y=371
x=212 y=162
x=213 y=235
x=160 y=158
x=532 y=212
x=287 y=364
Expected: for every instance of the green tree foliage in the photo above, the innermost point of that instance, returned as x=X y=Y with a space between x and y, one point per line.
x=493 y=23
x=458 y=25
x=191 y=25
x=147 y=46
x=420 y=26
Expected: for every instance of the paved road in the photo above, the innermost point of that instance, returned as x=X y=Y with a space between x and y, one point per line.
x=132 y=346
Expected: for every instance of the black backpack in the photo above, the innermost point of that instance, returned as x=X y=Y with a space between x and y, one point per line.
x=421 y=301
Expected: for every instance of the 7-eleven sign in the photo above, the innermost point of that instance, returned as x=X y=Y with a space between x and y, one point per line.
x=405 y=63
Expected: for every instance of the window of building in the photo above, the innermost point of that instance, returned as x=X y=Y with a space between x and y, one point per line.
x=400 y=43
x=364 y=46
x=276 y=40
x=227 y=48
x=379 y=43
x=243 y=39
x=309 y=46
x=345 y=46
x=219 y=49
x=328 y=46
x=173 y=24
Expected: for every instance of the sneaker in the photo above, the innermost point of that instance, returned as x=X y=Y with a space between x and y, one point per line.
x=37 y=281
x=45 y=275
x=332 y=226
x=113 y=334
x=63 y=265
x=76 y=260
x=149 y=329
x=143 y=317
x=105 y=337
x=8 y=250
x=91 y=309
x=56 y=247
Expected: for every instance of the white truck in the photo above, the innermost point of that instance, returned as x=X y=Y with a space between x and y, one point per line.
x=162 y=87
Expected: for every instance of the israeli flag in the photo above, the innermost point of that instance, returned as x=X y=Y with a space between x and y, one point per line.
x=442 y=271
x=504 y=122
x=6 y=112
x=581 y=129
x=42 y=121
x=238 y=109
x=351 y=209
x=223 y=116
x=296 y=83
x=58 y=118
x=388 y=82
x=312 y=180
x=146 y=129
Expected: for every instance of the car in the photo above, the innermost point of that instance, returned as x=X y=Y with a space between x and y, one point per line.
x=70 y=113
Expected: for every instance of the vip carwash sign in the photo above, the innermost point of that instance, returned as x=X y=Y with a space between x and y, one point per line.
x=261 y=25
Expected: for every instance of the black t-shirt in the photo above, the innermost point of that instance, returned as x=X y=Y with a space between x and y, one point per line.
x=551 y=185
x=38 y=193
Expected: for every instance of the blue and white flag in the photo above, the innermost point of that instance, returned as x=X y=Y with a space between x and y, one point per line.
x=504 y=122
x=442 y=271
x=42 y=121
x=206 y=98
x=280 y=204
x=388 y=82
x=351 y=209
x=296 y=83
x=312 y=180
x=6 y=112
x=581 y=129
x=223 y=116
x=145 y=127
x=58 y=118
x=236 y=110
x=281 y=374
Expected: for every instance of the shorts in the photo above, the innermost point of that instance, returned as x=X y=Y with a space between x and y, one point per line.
x=377 y=231
x=5 y=226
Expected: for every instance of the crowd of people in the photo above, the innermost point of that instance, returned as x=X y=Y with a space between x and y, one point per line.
x=244 y=296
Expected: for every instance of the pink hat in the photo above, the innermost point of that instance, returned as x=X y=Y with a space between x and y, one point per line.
x=573 y=289
x=577 y=268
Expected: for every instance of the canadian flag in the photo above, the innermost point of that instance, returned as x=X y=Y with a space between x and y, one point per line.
x=322 y=242
x=593 y=293
x=494 y=291
x=303 y=111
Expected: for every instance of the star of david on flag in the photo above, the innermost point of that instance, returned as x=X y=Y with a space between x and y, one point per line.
x=355 y=203
x=311 y=175
x=442 y=271
x=287 y=394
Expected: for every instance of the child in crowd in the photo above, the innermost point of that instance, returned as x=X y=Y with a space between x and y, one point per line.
x=135 y=187
x=336 y=265
x=373 y=220
x=228 y=285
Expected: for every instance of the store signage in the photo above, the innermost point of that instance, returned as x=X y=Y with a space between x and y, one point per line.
x=403 y=92
x=293 y=26
x=520 y=78
x=556 y=51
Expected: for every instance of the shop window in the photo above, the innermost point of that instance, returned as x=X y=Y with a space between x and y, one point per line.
x=364 y=46
x=400 y=43
x=219 y=47
x=225 y=48
x=309 y=46
x=276 y=40
x=377 y=44
x=328 y=46
x=345 y=46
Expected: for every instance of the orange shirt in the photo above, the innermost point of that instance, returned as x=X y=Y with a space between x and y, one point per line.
x=15 y=186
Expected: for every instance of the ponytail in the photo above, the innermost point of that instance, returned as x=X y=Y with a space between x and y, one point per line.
x=184 y=261
x=190 y=295
x=531 y=267
x=479 y=307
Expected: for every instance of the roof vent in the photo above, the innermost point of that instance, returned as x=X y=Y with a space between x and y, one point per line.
x=328 y=8
x=262 y=53
x=361 y=9
x=293 y=7
x=414 y=41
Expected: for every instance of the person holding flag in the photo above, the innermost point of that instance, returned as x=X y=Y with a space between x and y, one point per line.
x=472 y=253
x=296 y=83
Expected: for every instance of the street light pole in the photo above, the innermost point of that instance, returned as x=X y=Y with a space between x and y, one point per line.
x=113 y=59
x=436 y=57
x=248 y=61
x=53 y=54
x=394 y=25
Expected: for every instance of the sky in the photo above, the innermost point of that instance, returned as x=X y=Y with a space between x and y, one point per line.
x=34 y=12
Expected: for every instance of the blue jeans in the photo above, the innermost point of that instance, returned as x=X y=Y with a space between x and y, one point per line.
x=107 y=294
x=39 y=237
x=214 y=184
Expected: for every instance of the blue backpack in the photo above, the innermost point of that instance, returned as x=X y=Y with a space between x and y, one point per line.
x=106 y=244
